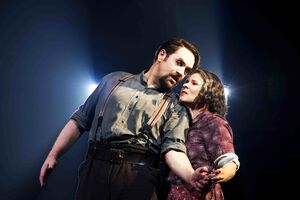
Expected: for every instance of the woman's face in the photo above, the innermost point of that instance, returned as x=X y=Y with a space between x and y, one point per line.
x=190 y=90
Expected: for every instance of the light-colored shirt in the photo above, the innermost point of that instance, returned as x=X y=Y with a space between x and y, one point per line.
x=129 y=107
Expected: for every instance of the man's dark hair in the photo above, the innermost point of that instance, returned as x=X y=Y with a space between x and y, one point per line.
x=173 y=44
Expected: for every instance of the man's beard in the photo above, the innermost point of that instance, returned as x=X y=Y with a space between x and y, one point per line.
x=167 y=82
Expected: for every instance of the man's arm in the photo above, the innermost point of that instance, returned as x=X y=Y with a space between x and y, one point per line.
x=67 y=137
x=179 y=163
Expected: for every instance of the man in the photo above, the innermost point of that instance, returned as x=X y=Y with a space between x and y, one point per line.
x=122 y=157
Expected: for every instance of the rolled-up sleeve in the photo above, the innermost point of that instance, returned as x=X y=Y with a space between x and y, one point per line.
x=84 y=115
x=175 y=130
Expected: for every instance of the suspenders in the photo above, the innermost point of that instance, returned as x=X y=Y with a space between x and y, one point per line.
x=163 y=105
x=146 y=128
x=121 y=80
x=100 y=116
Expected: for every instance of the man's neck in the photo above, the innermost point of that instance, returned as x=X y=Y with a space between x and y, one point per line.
x=152 y=80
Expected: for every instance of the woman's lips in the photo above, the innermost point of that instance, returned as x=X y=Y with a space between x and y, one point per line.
x=183 y=92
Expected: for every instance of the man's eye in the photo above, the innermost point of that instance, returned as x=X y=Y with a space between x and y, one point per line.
x=179 y=63
x=187 y=71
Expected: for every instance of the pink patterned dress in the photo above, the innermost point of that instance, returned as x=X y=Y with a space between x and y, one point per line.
x=209 y=137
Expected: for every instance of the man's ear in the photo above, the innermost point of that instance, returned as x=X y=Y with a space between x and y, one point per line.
x=161 y=55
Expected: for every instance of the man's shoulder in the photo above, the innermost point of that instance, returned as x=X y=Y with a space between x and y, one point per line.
x=117 y=74
x=175 y=104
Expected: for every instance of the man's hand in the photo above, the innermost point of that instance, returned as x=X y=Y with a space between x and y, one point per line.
x=200 y=180
x=46 y=169
x=69 y=134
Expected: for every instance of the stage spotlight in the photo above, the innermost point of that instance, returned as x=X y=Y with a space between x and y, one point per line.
x=227 y=91
x=92 y=87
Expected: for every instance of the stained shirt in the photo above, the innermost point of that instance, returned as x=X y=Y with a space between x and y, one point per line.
x=209 y=137
x=129 y=107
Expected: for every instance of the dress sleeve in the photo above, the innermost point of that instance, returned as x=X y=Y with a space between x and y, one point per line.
x=219 y=139
x=226 y=158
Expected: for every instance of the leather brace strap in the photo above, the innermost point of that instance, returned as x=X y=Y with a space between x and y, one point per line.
x=100 y=116
x=146 y=128
x=121 y=80
x=160 y=109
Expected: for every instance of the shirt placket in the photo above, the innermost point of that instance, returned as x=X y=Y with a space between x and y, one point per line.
x=126 y=116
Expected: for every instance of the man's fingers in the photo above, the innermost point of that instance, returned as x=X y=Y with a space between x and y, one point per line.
x=43 y=174
x=200 y=185
x=51 y=165
x=45 y=171
x=203 y=169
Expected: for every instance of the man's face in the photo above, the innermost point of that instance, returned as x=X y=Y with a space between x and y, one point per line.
x=172 y=69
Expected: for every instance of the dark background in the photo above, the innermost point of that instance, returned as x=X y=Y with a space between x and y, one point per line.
x=50 y=51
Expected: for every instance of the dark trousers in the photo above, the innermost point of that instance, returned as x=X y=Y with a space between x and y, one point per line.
x=99 y=179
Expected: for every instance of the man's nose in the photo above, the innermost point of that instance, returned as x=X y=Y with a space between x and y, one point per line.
x=180 y=72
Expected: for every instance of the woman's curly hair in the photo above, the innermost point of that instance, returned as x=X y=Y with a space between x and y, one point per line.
x=212 y=93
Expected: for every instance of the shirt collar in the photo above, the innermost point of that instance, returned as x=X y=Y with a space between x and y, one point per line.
x=143 y=77
x=144 y=80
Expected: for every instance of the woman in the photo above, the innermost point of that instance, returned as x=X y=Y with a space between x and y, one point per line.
x=209 y=140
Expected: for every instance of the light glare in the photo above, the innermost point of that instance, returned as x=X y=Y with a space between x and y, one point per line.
x=92 y=87
x=226 y=91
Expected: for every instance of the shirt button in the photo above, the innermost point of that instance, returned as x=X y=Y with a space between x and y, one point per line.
x=136 y=96
x=122 y=121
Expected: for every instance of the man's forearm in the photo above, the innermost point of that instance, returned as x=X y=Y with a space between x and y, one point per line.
x=69 y=134
x=180 y=165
